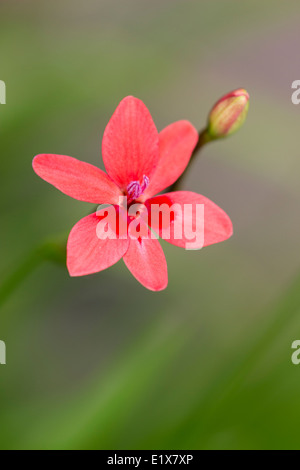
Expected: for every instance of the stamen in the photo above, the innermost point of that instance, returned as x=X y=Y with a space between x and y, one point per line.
x=145 y=183
x=135 y=189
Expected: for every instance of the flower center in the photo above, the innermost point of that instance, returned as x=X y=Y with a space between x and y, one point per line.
x=135 y=189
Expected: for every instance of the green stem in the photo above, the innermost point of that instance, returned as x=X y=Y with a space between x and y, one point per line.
x=47 y=251
x=204 y=138
x=12 y=282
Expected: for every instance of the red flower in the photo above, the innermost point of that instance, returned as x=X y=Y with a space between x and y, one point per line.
x=139 y=163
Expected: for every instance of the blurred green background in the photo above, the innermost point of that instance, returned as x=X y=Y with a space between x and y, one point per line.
x=99 y=362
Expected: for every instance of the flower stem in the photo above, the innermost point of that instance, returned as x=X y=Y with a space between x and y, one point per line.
x=12 y=282
x=50 y=250
x=204 y=138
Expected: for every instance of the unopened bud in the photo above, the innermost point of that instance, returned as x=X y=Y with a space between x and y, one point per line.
x=228 y=114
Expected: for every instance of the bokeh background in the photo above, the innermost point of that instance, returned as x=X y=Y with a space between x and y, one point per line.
x=100 y=362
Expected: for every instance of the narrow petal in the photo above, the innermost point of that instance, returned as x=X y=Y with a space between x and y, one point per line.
x=87 y=253
x=130 y=143
x=77 y=179
x=188 y=219
x=176 y=144
x=146 y=261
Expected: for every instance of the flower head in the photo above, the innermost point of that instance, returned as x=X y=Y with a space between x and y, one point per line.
x=140 y=162
x=228 y=114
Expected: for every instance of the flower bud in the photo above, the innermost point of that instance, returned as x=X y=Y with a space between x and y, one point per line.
x=228 y=114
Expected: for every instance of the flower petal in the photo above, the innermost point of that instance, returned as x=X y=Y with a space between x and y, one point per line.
x=130 y=143
x=176 y=144
x=77 y=179
x=194 y=222
x=146 y=261
x=87 y=253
